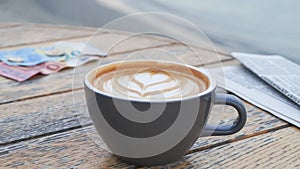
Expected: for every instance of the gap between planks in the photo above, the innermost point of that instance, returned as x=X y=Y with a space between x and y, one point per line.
x=9 y=25
x=90 y=32
x=238 y=139
x=93 y=31
x=44 y=135
x=46 y=41
x=187 y=153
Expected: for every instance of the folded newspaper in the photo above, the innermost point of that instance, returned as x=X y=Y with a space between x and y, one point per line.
x=248 y=86
x=282 y=74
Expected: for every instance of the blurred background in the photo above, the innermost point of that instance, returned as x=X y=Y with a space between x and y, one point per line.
x=266 y=27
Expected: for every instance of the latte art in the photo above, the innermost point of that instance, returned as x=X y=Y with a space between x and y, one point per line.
x=149 y=83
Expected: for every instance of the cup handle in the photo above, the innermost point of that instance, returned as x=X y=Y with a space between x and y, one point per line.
x=237 y=125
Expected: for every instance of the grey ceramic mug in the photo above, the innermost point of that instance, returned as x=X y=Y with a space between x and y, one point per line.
x=138 y=138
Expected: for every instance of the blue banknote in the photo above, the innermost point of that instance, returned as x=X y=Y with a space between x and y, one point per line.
x=61 y=52
x=23 y=57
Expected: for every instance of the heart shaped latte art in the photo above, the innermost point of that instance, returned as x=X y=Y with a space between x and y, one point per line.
x=149 y=84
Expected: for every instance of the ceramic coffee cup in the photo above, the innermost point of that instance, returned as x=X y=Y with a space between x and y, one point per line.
x=156 y=132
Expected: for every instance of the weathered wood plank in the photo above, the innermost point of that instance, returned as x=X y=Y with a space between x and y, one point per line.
x=22 y=34
x=8 y=25
x=71 y=149
x=29 y=118
x=123 y=43
x=178 y=53
x=75 y=149
x=279 y=149
x=35 y=34
x=207 y=45
x=36 y=117
x=26 y=34
x=111 y=43
x=63 y=81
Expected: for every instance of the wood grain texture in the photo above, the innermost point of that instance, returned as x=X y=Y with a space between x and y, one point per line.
x=40 y=116
x=75 y=149
x=38 y=35
x=40 y=125
x=30 y=118
x=64 y=150
x=177 y=53
x=278 y=149
x=209 y=46
x=9 y=25
x=27 y=34
x=123 y=43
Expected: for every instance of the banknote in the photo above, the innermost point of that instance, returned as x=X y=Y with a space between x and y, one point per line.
x=51 y=67
x=17 y=73
x=24 y=57
x=58 y=52
x=85 y=49
x=81 y=61
x=23 y=73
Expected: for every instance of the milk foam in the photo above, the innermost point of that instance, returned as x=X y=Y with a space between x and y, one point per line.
x=149 y=83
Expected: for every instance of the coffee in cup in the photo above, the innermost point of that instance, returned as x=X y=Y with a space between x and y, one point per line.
x=150 y=80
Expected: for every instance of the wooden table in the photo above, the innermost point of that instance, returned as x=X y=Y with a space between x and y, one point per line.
x=39 y=127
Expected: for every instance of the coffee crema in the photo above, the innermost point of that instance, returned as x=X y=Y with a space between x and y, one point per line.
x=150 y=80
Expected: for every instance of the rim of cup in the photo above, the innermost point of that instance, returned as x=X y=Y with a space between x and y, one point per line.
x=88 y=78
